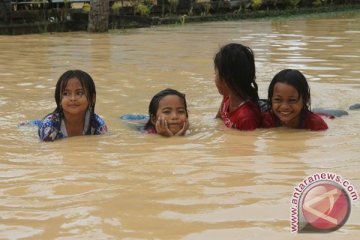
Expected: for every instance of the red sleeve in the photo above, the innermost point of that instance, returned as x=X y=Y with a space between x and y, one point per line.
x=314 y=122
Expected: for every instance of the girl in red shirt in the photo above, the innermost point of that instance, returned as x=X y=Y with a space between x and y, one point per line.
x=235 y=80
x=289 y=100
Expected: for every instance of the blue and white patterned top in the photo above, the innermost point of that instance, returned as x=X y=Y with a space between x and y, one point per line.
x=53 y=128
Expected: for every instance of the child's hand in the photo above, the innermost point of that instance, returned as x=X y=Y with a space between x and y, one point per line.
x=162 y=128
x=184 y=129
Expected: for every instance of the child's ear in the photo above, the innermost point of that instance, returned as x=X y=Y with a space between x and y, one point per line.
x=94 y=99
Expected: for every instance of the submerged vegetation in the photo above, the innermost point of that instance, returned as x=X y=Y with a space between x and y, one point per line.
x=72 y=15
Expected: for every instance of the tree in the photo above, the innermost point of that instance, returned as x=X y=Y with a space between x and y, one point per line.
x=5 y=10
x=99 y=16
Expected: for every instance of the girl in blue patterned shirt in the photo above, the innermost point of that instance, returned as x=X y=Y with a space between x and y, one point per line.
x=75 y=97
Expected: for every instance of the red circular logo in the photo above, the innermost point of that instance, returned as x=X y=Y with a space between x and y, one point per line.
x=326 y=206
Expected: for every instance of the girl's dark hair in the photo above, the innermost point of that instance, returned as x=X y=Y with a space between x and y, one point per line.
x=235 y=64
x=154 y=103
x=296 y=79
x=87 y=83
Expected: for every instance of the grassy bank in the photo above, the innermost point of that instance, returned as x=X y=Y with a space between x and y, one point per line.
x=76 y=19
x=263 y=14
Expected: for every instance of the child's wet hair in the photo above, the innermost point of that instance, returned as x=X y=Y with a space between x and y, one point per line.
x=88 y=85
x=154 y=103
x=296 y=79
x=235 y=64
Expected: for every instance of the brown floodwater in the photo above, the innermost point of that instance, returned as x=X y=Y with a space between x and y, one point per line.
x=215 y=183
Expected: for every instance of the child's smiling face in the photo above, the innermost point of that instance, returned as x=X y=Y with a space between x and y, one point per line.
x=172 y=109
x=73 y=98
x=287 y=104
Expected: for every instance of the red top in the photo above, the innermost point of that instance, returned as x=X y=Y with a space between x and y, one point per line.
x=150 y=130
x=312 y=121
x=245 y=117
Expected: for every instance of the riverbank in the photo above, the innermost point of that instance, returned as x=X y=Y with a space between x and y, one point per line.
x=77 y=20
x=308 y=12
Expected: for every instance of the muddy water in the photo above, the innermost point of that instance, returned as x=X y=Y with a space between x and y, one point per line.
x=216 y=183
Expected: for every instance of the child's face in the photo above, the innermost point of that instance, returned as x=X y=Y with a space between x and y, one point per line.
x=172 y=109
x=287 y=104
x=73 y=98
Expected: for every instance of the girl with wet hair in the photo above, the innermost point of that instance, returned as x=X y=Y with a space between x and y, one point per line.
x=168 y=114
x=290 y=103
x=235 y=78
x=75 y=98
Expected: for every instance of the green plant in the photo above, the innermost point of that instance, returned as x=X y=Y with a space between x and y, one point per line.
x=182 y=19
x=86 y=8
x=67 y=4
x=173 y=5
x=207 y=7
x=243 y=7
x=238 y=11
x=116 y=6
x=65 y=13
x=294 y=3
x=142 y=9
x=256 y=4
x=190 y=12
x=318 y=3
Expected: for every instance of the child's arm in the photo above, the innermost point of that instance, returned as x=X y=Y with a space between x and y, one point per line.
x=49 y=128
x=46 y=131
x=101 y=126
x=314 y=122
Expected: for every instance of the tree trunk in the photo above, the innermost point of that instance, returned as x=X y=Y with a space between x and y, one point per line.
x=5 y=10
x=99 y=16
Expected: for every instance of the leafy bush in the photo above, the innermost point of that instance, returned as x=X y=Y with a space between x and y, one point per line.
x=86 y=8
x=173 y=5
x=256 y=4
x=319 y=2
x=142 y=9
x=116 y=6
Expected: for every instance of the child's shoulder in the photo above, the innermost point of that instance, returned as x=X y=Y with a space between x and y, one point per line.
x=268 y=119
x=101 y=126
x=314 y=122
x=247 y=116
x=149 y=130
x=313 y=116
x=51 y=118
x=250 y=108
x=98 y=118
